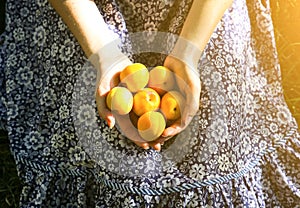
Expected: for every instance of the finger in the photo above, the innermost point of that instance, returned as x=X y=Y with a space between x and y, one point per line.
x=161 y=140
x=158 y=143
x=156 y=146
x=130 y=131
x=106 y=84
x=126 y=127
x=172 y=130
x=103 y=111
x=191 y=105
x=187 y=116
x=188 y=113
x=144 y=145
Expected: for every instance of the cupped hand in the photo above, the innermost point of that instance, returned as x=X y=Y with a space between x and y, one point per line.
x=188 y=82
x=106 y=80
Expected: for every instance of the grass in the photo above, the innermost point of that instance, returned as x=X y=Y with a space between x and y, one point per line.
x=10 y=186
x=286 y=18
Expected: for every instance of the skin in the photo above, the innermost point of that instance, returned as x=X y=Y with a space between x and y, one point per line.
x=86 y=23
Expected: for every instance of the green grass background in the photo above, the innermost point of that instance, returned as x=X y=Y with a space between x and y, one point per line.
x=10 y=186
x=286 y=18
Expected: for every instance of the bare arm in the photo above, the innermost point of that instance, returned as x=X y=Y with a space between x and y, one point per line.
x=198 y=27
x=85 y=22
x=87 y=25
x=92 y=33
x=202 y=20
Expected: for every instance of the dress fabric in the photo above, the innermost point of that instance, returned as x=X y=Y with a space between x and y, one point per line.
x=242 y=149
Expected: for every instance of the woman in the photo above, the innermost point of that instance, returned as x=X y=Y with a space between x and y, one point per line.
x=240 y=149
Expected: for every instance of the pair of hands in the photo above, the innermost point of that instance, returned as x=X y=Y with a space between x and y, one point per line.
x=187 y=80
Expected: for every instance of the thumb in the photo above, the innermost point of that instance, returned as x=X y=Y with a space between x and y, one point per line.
x=103 y=111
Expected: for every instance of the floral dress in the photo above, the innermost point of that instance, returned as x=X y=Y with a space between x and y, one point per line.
x=242 y=149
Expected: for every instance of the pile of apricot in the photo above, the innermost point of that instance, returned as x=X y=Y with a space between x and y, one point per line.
x=150 y=97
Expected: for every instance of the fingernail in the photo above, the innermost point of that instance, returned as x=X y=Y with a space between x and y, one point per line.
x=145 y=146
x=111 y=122
x=157 y=147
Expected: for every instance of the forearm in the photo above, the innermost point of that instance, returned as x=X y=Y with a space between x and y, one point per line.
x=202 y=20
x=85 y=22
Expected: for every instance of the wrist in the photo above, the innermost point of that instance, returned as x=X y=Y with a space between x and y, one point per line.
x=187 y=52
x=108 y=57
x=108 y=61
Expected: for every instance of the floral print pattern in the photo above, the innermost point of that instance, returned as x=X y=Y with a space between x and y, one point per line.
x=241 y=149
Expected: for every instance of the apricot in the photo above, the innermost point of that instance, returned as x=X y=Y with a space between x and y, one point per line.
x=172 y=104
x=161 y=79
x=135 y=76
x=145 y=100
x=120 y=99
x=151 y=125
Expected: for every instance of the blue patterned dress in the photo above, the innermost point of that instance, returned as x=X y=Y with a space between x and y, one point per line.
x=242 y=149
